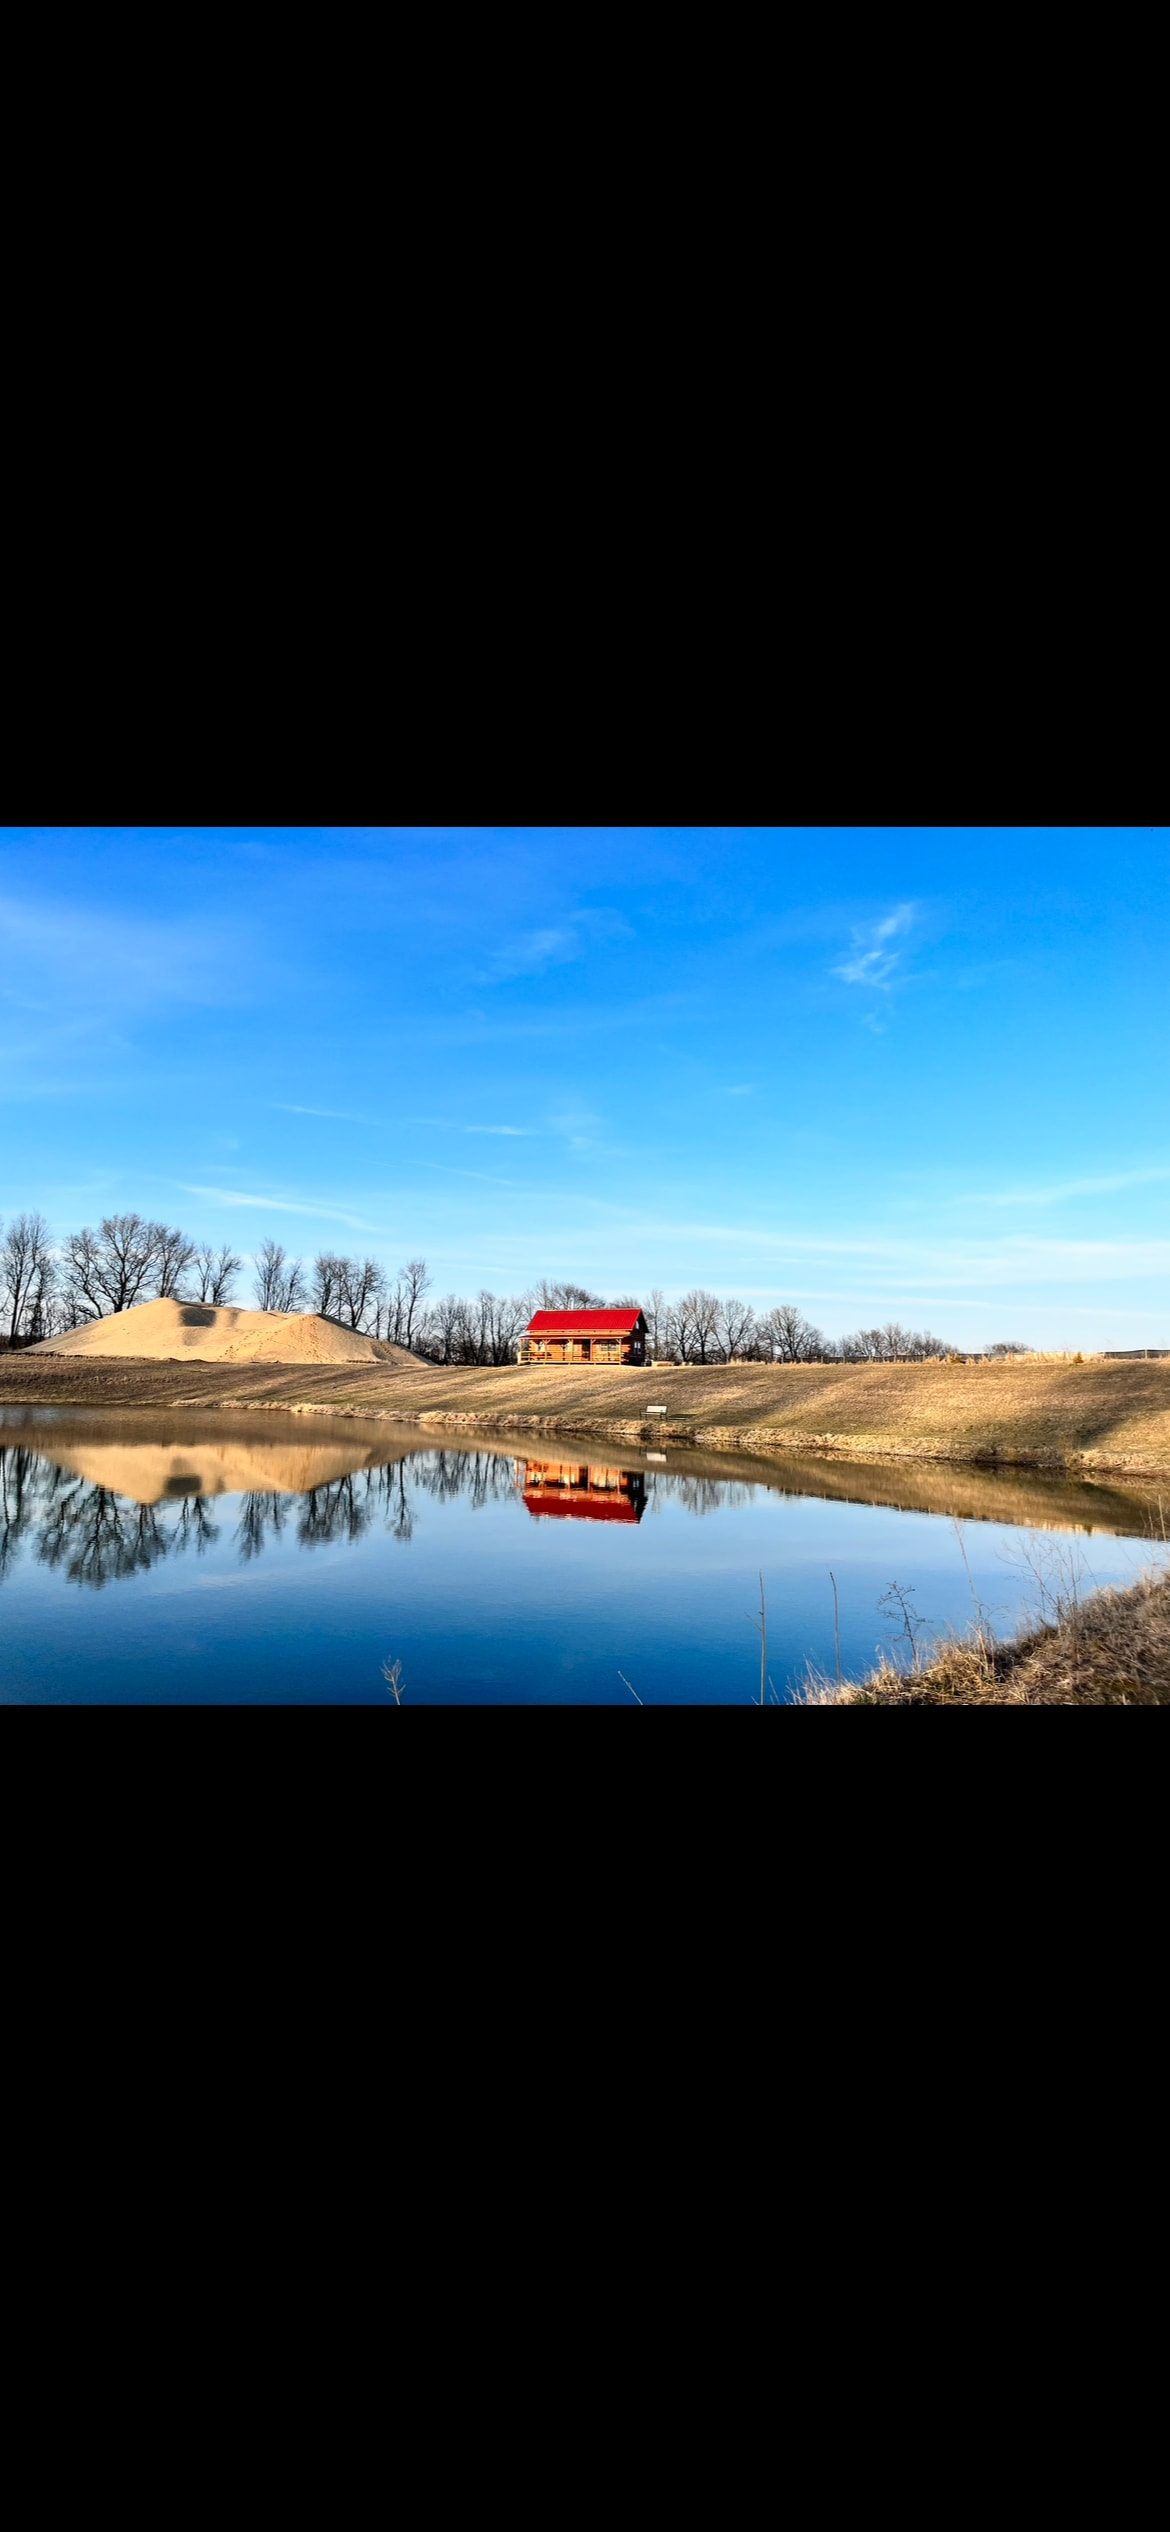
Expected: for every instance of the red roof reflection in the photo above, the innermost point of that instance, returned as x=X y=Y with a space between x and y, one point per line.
x=567 y=1507
x=572 y=1491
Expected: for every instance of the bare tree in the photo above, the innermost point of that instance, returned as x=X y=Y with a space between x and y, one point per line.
x=502 y=1319
x=107 y=1270
x=789 y=1337
x=735 y=1328
x=996 y=1353
x=697 y=1320
x=269 y=1266
x=656 y=1318
x=447 y=1328
x=360 y=1288
x=280 y=1281
x=891 y=1344
x=292 y=1294
x=213 y=1273
x=568 y=1297
x=79 y=1266
x=26 y=1266
x=44 y=1314
x=413 y=1282
x=173 y=1254
x=327 y=1276
x=669 y=1346
x=426 y=1332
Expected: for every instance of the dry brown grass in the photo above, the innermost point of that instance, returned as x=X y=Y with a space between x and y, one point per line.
x=1110 y=1650
x=1047 y=1413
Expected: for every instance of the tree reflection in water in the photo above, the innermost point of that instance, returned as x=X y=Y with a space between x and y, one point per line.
x=18 y=1469
x=94 y=1536
x=261 y=1516
x=97 y=1537
x=699 y=1495
x=347 y=1507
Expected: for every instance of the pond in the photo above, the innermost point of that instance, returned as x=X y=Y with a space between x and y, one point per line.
x=276 y=1559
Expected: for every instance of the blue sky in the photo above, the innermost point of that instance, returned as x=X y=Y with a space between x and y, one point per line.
x=917 y=1073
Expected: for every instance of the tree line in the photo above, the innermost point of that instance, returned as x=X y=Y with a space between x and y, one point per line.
x=705 y=1327
x=48 y=1286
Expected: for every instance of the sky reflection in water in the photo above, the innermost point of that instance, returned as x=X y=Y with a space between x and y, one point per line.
x=144 y=1563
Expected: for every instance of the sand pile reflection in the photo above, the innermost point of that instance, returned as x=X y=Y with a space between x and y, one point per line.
x=160 y=1472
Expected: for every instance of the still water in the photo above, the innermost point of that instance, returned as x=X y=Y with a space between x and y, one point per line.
x=155 y=1560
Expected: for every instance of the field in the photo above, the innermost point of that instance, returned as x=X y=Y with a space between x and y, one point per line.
x=1085 y=1419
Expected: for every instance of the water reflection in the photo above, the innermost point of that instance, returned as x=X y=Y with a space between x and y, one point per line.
x=95 y=1533
x=89 y=1533
x=153 y=1469
x=98 y=1499
x=583 y=1493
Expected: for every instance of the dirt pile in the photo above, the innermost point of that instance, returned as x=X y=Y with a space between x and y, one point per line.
x=194 y=1332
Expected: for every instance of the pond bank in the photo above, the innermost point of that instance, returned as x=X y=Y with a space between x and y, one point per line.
x=1080 y=1419
x=1112 y=1649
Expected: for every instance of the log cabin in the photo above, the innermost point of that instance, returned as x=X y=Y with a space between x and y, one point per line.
x=585 y=1336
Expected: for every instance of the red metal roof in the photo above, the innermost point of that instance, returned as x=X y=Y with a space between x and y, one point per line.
x=590 y=1322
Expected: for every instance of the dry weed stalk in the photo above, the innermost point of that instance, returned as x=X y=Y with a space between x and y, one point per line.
x=1111 y=1648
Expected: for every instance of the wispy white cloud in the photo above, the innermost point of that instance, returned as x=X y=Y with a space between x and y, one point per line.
x=314 y=1210
x=740 y=1089
x=872 y=960
x=531 y=953
x=454 y=1125
x=484 y=1177
x=579 y=1126
x=1071 y=1187
x=343 y=1116
x=105 y=959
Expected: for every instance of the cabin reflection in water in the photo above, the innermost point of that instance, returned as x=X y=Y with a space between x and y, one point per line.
x=566 y=1488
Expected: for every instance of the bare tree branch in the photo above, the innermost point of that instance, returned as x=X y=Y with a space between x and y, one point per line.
x=280 y=1281
x=26 y=1267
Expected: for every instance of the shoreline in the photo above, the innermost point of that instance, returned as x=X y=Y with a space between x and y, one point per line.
x=1089 y=1420
x=1111 y=1649
x=763 y=1442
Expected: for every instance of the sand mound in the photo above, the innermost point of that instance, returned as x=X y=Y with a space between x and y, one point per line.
x=191 y=1331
